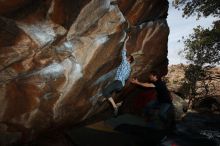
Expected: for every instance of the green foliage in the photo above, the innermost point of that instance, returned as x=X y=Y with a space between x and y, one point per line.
x=198 y=7
x=185 y=90
x=203 y=46
x=202 y=50
x=194 y=73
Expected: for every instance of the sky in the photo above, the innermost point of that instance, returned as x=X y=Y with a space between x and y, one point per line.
x=180 y=27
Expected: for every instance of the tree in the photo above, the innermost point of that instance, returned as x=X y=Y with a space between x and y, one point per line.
x=193 y=74
x=198 y=7
x=202 y=47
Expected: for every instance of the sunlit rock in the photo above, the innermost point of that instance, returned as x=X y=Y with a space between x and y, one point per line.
x=56 y=56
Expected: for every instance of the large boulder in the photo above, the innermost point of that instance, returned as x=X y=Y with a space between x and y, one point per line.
x=180 y=106
x=56 y=56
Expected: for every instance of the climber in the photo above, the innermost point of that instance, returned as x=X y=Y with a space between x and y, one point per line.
x=122 y=74
x=163 y=100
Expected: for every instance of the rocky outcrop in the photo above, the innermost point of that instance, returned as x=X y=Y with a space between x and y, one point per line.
x=209 y=87
x=56 y=56
x=180 y=106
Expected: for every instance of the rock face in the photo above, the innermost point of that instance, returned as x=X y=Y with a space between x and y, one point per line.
x=208 y=88
x=180 y=106
x=56 y=56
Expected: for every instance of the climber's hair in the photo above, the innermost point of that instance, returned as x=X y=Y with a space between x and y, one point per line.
x=131 y=58
x=155 y=73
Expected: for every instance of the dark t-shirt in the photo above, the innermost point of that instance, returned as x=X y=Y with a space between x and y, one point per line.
x=163 y=95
